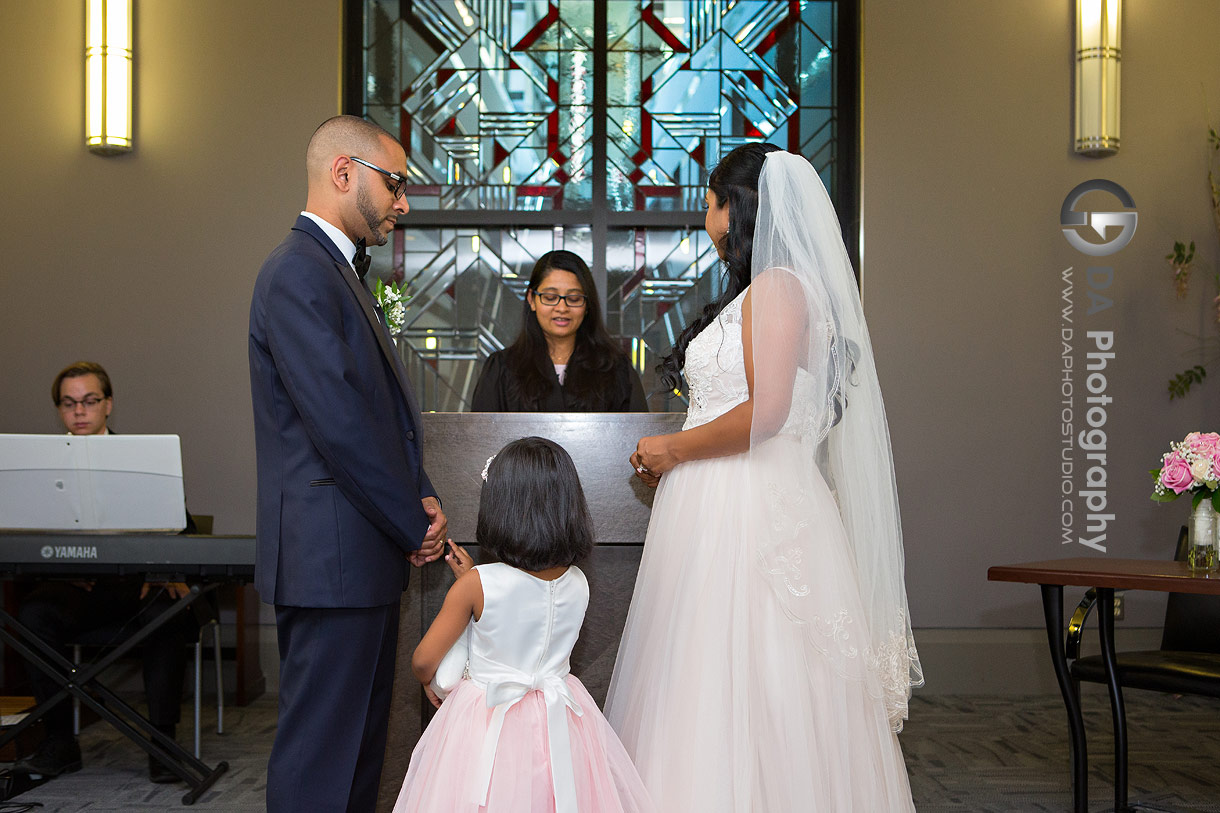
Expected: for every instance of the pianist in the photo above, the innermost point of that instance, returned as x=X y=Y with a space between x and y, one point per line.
x=59 y=611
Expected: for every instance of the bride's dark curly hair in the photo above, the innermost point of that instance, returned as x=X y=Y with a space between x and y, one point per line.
x=735 y=179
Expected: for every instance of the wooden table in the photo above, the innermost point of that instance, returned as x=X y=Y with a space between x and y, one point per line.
x=1106 y=575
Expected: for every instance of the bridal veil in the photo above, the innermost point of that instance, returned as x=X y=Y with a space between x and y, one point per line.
x=815 y=383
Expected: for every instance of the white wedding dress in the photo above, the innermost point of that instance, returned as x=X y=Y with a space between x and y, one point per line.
x=745 y=682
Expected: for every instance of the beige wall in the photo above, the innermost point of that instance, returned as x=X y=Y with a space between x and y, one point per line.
x=966 y=162
x=145 y=262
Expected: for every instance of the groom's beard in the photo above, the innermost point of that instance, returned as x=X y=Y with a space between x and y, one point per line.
x=372 y=218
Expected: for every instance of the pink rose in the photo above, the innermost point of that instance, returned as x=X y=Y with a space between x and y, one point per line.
x=1175 y=473
x=1207 y=444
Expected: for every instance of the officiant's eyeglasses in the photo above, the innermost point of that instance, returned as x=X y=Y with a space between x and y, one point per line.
x=573 y=300
x=400 y=183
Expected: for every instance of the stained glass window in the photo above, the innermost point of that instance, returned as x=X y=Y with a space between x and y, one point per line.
x=538 y=124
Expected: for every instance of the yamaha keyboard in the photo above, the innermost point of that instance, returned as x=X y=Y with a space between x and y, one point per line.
x=205 y=561
x=181 y=556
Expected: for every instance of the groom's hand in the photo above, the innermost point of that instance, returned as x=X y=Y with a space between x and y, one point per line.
x=434 y=540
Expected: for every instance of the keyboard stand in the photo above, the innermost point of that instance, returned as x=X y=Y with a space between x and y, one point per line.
x=81 y=682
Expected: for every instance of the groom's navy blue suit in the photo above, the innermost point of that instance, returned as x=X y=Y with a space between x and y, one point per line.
x=340 y=480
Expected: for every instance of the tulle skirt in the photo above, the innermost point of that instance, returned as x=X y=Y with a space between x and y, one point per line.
x=724 y=701
x=440 y=777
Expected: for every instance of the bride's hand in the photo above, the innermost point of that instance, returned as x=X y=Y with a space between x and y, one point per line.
x=653 y=457
x=644 y=474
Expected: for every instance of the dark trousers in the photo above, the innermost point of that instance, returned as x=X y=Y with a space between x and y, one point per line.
x=336 y=676
x=60 y=613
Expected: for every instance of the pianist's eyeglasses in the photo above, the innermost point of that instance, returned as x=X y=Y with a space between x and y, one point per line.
x=398 y=188
x=88 y=402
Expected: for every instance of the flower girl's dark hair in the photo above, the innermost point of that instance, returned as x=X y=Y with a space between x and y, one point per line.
x=532 y=513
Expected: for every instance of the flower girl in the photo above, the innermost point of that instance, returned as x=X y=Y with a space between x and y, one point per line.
x=518 y=733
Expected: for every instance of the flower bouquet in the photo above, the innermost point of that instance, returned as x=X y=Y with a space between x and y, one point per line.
x=1193 y=466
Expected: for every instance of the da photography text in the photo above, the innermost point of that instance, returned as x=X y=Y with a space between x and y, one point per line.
x=1086 y=357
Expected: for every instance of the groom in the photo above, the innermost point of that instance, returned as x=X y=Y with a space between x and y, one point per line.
x=343 y=500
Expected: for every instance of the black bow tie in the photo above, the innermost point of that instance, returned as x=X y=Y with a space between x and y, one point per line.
x=361 y=260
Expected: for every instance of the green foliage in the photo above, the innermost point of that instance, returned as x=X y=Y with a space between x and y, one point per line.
x=1182 y=255
x=1181 y=383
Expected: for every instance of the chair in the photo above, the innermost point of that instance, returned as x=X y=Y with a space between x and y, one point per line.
x=1188 y=661
x=106 y=636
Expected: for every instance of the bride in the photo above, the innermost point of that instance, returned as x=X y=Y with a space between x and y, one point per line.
x=767 y=658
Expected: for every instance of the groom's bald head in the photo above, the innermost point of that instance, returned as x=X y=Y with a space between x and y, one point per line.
x=343 y=135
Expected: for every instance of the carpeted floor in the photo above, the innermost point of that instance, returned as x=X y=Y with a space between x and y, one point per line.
x=993 y=754
x=976 y=754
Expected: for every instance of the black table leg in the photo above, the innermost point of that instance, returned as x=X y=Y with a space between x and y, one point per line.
x=1105 y=627
x=1052 y=607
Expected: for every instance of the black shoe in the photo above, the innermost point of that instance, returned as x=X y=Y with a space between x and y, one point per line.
x=159 y=773
x=54 y=756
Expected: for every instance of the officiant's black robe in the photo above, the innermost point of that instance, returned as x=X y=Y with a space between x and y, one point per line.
x=496 y=391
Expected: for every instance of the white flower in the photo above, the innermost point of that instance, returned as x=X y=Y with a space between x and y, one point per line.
x=395 y=316
x=1201 y=469
x=392 y=300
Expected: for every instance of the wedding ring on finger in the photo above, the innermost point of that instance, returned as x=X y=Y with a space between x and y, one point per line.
x=643 y=470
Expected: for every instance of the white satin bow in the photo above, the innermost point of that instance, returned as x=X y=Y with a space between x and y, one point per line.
x=504 y=693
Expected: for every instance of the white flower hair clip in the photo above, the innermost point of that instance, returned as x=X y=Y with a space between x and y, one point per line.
x=487 y=466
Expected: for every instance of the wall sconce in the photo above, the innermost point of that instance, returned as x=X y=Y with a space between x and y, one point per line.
x=108 y=57
x=1098 y=54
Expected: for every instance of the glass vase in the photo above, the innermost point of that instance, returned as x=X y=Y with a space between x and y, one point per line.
x=1204 y=524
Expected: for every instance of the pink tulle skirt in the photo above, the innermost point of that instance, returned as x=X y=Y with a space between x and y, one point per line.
x=444 y=762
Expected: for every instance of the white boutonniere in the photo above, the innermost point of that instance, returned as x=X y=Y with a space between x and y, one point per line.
x=393 y=301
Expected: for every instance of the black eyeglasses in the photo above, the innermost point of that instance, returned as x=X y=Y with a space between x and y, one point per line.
x=550 y=298
x=88 y=402
x=400 y=183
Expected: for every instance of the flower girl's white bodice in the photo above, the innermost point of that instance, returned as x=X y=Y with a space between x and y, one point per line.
x=528 y=626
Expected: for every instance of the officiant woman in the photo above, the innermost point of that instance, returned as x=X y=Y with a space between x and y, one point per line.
x=563 y=360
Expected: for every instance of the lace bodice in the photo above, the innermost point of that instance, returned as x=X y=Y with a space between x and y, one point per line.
x=715 y=367
x=715 y=373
